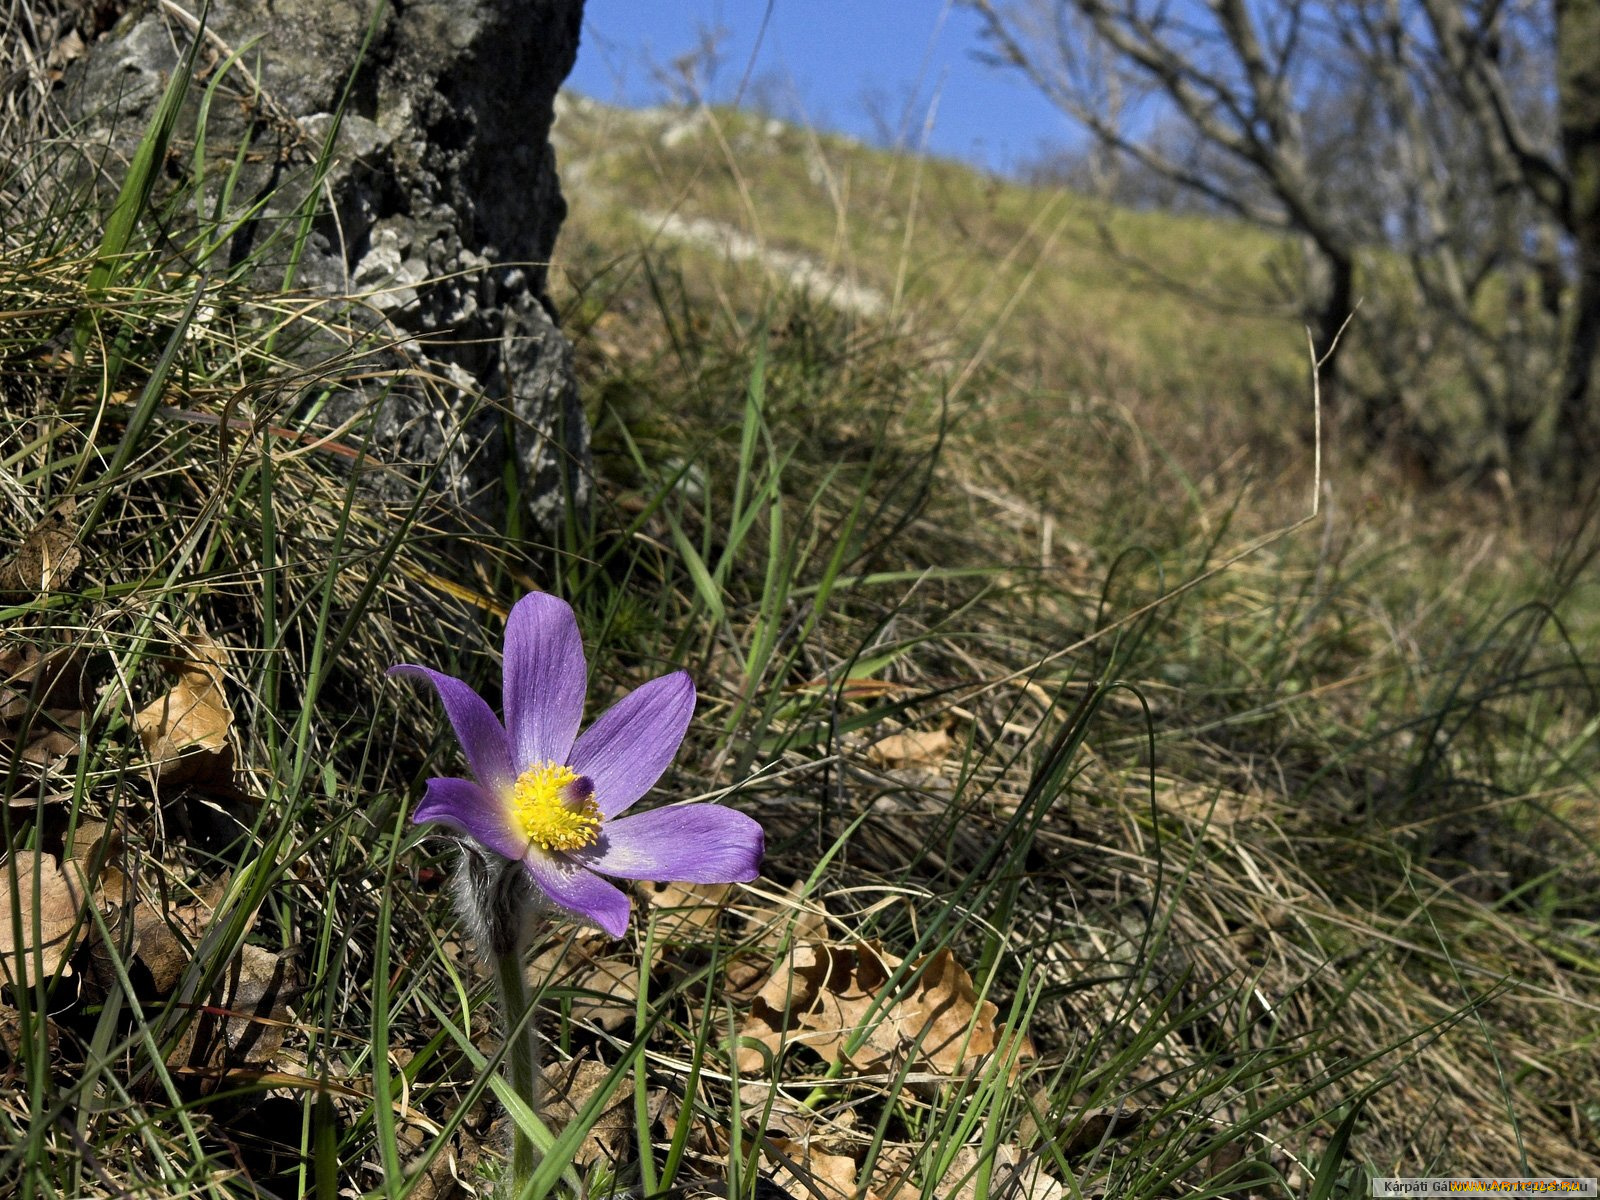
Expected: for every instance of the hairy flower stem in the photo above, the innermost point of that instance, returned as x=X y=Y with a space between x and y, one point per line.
x=493 y=899
x=522 y=1056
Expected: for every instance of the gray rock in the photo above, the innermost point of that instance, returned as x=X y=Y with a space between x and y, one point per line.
x=420 y=133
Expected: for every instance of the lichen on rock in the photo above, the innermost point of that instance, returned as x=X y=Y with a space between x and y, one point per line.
x=419 y=135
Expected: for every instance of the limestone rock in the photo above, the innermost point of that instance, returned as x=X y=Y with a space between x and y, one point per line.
x=420 y=133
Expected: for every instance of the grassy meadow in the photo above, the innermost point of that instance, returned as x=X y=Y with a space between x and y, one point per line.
x=1148 y=815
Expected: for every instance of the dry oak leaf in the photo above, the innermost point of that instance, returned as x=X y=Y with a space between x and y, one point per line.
x=1219 y=808
x=11 y=1034
x=802 y=1169
x=784 y=1116
x=42 y=697
x=31 y=679
x=837 y=994
x=608 y=994
x=38 y=895
x=685 y=911
x=45 y=741
x=246 y=1019
x=1087 y=1129
x=568 y=1087
x=185 y=733
x=1013 y=1175
x=95 y=852
x=683 y=915
x=68 y=48
x=913 y=748
x=447 y=1176
x=606 y=986
x=791 y=919
x=45 y=561
x=164 y=941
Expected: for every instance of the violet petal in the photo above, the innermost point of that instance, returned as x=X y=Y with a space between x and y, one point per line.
x=574 y=888
x=544 y=681
x=689 y=843
x=628 y=748
x=472 y=811
x=481 y=735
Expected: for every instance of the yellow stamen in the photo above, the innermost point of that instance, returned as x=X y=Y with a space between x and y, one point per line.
x=551 y=817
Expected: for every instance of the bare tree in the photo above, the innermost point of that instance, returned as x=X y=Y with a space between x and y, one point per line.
x=1578 y=85
x=1232 y=82
x=1467 y=189
x=1409 y=146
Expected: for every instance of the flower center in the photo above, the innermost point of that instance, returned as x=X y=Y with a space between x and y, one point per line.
x=556 y=807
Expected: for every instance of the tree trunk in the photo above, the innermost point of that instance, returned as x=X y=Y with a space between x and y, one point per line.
x=1578 y=88
x=1332 y=299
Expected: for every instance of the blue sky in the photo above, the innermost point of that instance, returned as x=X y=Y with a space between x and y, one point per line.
x=834 y=63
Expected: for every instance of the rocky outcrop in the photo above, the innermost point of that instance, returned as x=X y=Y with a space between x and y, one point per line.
x=417 y=135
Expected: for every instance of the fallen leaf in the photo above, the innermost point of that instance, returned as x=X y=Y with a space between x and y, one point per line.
x=608 y=993
x=47 y=742
x=782 y=1115
x=910 y=749
x=568 y=1088
x=185 y=733
x=11 y=1034
x=685 y=911
x=1086 y=1131
x=446 y=1178
x=1219 y=808
x=66 y=49
x=802 y=1169
x=1230 y=1164
x=36 y=893
x=789 y=919
x=260 y=986
x=42 y=698
x=606 y=986
x=164 y=940
x=95 y=851
x=683 y=916
x=1013 y=1175
x=706 y=1138
x=744 y=978
x=246 y=1018
x=31 y=678
x=827 y=997
x=46 y=560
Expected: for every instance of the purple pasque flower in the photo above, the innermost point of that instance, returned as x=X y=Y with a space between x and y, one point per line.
x=553 y=799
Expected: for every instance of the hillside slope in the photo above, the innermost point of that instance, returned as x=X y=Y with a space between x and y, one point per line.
x=1346 y=733
x=1179 y=318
